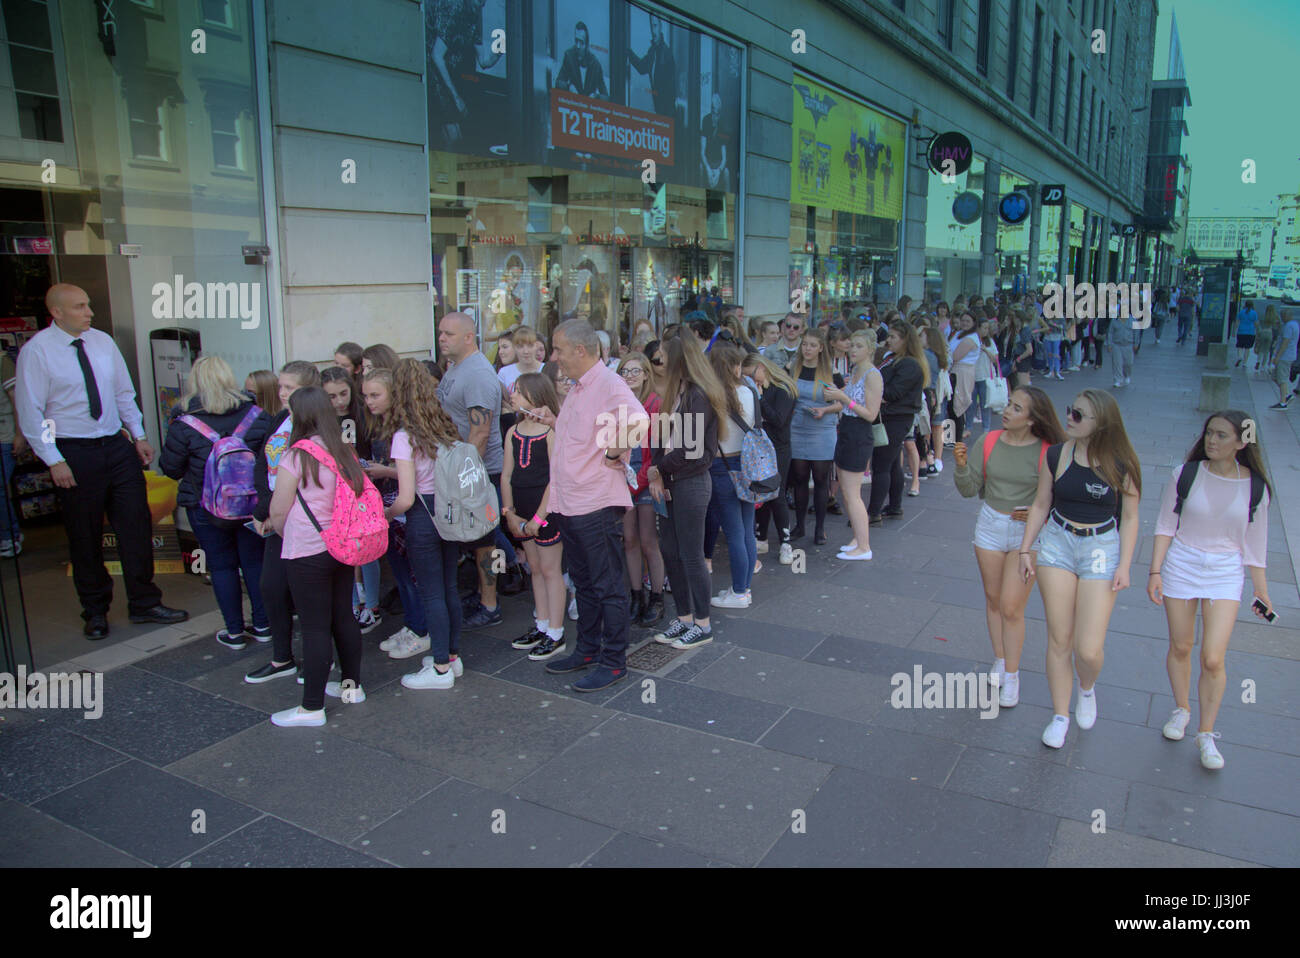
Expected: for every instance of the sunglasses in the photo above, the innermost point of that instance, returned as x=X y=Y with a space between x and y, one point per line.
x=656 y=361
x=793 y=325
x=1077 y=415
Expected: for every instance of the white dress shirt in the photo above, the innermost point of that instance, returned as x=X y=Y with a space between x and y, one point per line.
x=51 y=386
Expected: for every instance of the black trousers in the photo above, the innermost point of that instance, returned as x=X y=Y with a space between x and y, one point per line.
x=110 y=480
x=887 y=467
x=277 y=599
x=681 y=541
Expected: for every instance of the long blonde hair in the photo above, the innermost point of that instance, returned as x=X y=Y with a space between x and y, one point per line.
x=867 y=338
x=213 y=381
x=776 y=375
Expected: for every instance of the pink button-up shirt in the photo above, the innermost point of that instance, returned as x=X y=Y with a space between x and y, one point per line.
x=601 y=407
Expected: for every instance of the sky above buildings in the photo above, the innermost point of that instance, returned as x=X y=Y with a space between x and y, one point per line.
x=1239 y=60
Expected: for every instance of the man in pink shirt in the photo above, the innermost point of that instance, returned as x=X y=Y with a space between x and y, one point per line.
x=600 y=420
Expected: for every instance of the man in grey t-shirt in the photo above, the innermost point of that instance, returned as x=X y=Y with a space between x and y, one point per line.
x=470 y=394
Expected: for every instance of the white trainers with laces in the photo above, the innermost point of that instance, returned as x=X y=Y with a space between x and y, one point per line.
x=457 y=666
x=726 y=599
x=1009 y=693
x=999 y=669
x=395 y=639
x=429 y=678
x=1085 y=709
x=1177 y=724
x=1054 y=734
x=353 y=694
x=1210 y=757
x=409 y=645
x=787 y=553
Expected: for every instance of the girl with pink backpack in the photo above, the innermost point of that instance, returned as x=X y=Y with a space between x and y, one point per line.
x=324 y=507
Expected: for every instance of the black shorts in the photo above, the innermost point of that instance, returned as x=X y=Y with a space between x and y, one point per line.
x=1245 y=340
x=853 y=444
x=527 y=502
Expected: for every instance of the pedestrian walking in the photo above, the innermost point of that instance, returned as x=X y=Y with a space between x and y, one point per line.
x=1211 y=527
x=1284 y=360
x=1246 y=321
x=1119 y=336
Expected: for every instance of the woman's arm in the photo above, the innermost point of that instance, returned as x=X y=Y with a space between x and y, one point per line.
x=175 y=453
x=405 y=489
x=1128 y=536
x=1155 y=581
x=1034 y=522
x=964 y=348
x=286 y=488
x=507 y=494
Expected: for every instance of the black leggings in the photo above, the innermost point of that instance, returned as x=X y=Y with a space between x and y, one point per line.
x=276 y=598
x=820 y=470
x=322 y=589
x=777 y=508
x=887 y=468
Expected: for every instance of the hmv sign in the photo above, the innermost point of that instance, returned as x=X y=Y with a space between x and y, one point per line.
x=949 y=153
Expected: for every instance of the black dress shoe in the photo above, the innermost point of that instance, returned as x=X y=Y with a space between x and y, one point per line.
x=160 y=614
x=893 y=513
x=96 y=627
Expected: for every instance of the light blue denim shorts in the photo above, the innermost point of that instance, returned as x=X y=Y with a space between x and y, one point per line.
x=1088 y=557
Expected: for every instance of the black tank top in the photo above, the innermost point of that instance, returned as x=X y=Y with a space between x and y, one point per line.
x=532 y=463
x=1080 y=495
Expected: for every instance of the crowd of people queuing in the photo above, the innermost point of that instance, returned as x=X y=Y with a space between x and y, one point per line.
x=612 y=525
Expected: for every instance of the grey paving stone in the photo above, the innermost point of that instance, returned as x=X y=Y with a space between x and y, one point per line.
x=964 y=634
x=203 y=654
x=39 y=760
x=699 y=707
x=849 y=611
x=311 y=777
x=686 y=667
x=484 y=730
x=147 y=813
x=1277 y=681
x=725 y=800
x=965 y=593
x=1250 y=776
x=138 y=704
x=889 y=578
x=535 y=676
x=776 y=639
x=1224 y=828
x=630 y=851
x=1017 y=731
x=863 y=655
x=788 y=682
x=1238 y=724
x=1078 y=846
x=1043 y=786
x=861 y=820
x=35 y=840
x=882 y=751
x=490 y=652
x=271 y=843
x=461 y=825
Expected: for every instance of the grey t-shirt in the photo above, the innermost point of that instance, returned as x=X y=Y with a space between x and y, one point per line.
x=473 y=382
x=1291 y=332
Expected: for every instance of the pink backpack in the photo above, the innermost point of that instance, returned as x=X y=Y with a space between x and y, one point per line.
x=358 y=531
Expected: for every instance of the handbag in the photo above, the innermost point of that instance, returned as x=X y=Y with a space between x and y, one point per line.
x=879 y=436
x=998 y=395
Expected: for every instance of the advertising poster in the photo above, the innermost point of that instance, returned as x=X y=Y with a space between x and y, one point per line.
x=596 y=85
x=587 y=289
x=655 y=295
x=513 y=294
x=849 y=157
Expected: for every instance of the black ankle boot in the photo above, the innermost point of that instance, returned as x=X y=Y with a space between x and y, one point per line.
x=638 y=606
x=654 y=609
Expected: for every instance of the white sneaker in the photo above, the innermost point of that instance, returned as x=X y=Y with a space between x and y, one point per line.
x=1009 y=693
x=1085 y=709
x=726 y=599
x=1128 y=380
x=409 y=645
x=297 y=716
x=1210 y=757
x=1117 y=383
x=1054 y=734
x=938 y=465
x=573 y=608
x=457 y=666
x=848 y=556
x=394 y=640
x=353 y=696
x=429 y=678
x=787 y=553
x=1177 y=724
x=762 y=547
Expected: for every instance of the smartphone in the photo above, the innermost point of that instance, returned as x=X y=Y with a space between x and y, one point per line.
x=252 y=528
x=1264 y=610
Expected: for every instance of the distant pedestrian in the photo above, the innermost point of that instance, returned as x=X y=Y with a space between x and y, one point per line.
x=1284 y=359
x=1246 y=320
x=1119 y=336
x=1186 y=314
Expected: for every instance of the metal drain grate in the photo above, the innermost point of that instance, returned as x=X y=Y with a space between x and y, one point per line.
x=652 y=657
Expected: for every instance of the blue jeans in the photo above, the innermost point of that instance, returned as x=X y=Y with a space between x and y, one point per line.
x=412 y=607
x=8 y=513
x=370 y=584
x=737 y=518
x=976 y=412
x=228 y=552
x=434 y=560
x=593 y=548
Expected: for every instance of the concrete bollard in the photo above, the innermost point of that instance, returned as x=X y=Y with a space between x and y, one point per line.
x=1214 y=391
x=1217 y=356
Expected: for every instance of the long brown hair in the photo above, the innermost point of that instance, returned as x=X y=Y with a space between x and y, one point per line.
x=1110 y=454
x=724 y=358
x=313 y=416
x=685 y=365
x=912 y=348
x=1043 y=421
x=381 y=356
x=776 y=375
x=1249 y=457
x=823 y=371
x=417 y=410
x=381 y=427
x=935 y=342
x=266 y=391
x=538 y=389
x=647 y=386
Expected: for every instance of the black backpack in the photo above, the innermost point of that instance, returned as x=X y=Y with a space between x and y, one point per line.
x=1188 y=476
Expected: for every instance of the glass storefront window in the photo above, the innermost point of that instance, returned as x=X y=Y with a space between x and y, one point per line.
x=846 y=202
x=1013 y=241
x=590 y=173
x=1049 y=246
x=952 y=248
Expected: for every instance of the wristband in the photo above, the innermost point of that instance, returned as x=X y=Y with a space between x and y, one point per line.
x=541 y=523
x=1154 y=573
x=1026 y=553
x=613 y=458
x=852 y=403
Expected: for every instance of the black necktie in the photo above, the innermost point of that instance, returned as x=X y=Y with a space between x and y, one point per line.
x=88 y=373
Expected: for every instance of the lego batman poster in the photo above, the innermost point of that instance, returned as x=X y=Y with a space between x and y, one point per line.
x=847 y=156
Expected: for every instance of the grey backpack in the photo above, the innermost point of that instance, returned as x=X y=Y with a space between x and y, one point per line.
x=465 y=502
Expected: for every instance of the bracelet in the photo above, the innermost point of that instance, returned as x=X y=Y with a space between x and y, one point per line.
x=1155 y=573
x=852 y=403
x=541 y=523
x=613 y=458
x=1026 y=553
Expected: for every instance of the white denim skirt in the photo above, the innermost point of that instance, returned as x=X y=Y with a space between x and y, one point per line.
x=1192 y=574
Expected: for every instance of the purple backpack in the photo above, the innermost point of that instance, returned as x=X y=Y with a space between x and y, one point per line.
x=228 y=490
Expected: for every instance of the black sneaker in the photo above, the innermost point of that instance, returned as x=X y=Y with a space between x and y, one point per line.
x=548 y=648
x=529 y=639
x=270 y=671
x=262 y=634
x=692 y=637
x=1278 y=405
x=236 y=642
x=674 y=632
x=482 y=619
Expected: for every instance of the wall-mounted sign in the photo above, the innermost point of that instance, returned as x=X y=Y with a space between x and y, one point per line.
x=33 y=245
x=1052 y=194
x=952 y=146
x=107 y=19
x=1014 y=208
x=967 y=208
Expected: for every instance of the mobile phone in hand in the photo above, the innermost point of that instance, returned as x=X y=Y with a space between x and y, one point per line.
x=1264 y=610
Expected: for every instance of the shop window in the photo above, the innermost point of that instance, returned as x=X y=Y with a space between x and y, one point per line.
x=145 y=109
x=1013 y=50
x=215 y=11
x=943 y=21
x=28 y=23
x=38 y=118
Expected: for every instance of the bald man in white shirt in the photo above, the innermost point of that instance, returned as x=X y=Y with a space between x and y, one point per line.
x=75 y=400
